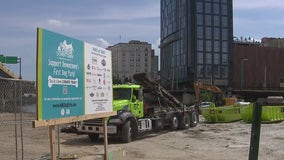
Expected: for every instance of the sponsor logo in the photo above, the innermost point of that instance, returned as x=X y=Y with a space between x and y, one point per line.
x=65 y=50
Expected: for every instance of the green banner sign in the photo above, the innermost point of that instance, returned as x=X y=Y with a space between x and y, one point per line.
x=11 y=60
x=8 y=59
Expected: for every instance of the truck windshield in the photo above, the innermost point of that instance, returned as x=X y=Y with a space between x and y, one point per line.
x=121 y=93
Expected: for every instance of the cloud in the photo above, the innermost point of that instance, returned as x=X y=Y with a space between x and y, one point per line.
x=54 y=22
x=103 y=43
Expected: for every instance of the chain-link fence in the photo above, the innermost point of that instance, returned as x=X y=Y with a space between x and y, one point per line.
x=17 y=111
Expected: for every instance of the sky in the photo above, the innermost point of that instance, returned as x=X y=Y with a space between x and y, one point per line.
x=108 y=22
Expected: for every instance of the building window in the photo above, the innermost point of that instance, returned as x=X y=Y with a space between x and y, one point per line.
x=199 y=19
x=200 y=45
x=224 y=72
x=224 y=46
x=224 y=21
x=224 y=59
x=224 y=34
x=200 y=71
x=216 y=9
x=208 y=8
x=216 y=58
x=216 y=46
x=199 y=32
x=216 y=21
x=216 y=71
x=208 y=33
x=208 y=71
x=208 y=59
x=208 y=46
x=199 y=7
x=216 y=33
x=208 y=20
x=200 y=58
x=224 y=9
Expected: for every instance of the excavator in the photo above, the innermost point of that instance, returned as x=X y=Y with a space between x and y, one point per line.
x=219 y=100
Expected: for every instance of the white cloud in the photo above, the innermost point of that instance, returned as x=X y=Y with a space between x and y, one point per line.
x=103 y=43
x=56 y=23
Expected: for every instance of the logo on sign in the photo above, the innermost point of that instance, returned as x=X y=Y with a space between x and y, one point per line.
x=65 y=50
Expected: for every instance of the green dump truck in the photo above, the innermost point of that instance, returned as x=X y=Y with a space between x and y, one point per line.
x=144 y=106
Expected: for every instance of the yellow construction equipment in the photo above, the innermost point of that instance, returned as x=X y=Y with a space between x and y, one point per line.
x=220 y=100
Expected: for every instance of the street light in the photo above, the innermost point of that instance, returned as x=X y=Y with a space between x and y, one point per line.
x=241 y=77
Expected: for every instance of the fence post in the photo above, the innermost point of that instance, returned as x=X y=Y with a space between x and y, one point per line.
x=255 y=129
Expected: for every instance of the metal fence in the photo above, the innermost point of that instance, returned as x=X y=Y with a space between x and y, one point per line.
x=17 y=111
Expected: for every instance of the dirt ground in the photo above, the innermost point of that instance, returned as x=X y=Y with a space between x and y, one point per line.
x=219 y=141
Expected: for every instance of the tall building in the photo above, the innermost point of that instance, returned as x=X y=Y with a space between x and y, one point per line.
x=130 y=58
x=196 y=42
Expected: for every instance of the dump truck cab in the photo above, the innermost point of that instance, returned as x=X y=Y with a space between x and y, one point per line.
x=128 y=97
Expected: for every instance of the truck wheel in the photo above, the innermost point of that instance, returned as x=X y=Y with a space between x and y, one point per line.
x=173 y=122
x=184 y=121
x=194 y=119
x=126 y=132
x=93 y=137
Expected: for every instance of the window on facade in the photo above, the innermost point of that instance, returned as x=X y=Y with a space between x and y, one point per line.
x=224 y=9
x=208 y=20
x=200 y=71
x=224 y=59
x=208 y=71
x=208 y=59
x=216 y=21
x=208 y=33
x=216 y=33
x=216 y=58
x=200 y=45
x=224 y=46
x=199 y=57
x=199 y=19
x=216 y=9
x=224 y=34
x=208 y=8
x=208 y=45
x=224 y=1
x=224 y=21
x=199 y=7
x=199 y=32
x=224 y=72
x=216 y=71
x=216 y=46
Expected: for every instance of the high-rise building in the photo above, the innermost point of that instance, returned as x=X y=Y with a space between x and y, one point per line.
x=130 y=58
x=196 y=42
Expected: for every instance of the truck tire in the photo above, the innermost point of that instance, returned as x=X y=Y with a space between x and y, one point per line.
x=126 y=132
x=184 y=121
x=93 y=137
x=173 y=123
x=194 y=119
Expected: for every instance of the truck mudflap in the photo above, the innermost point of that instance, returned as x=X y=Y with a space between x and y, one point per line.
x=111 y=129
